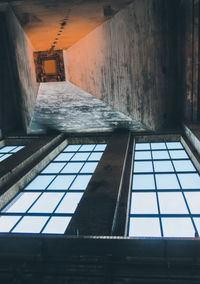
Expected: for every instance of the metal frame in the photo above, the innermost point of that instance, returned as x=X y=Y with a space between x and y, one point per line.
x=45 y=189
x=157 y=190
x=9 y=152
x=40 y=57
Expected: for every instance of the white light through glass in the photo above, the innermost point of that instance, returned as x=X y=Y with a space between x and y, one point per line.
x=47 y=204
x=165 y=192
x=8 y=151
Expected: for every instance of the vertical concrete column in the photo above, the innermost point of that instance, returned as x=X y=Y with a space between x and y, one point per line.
x=97 y=209
x=120 y=221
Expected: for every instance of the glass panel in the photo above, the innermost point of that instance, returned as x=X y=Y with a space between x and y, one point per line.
x=177 y=227
x=167 y=181
x=46 y=203
x=189 y=181
x=17 y=149
x=62 y=182
x=178 y=154
x=142 y=146
x=174 y=145
x=72 y=168
x=30 y=224
x=144 y=203
x=81 y=182
x=57 y=225
x=144 y=155
x=163 y=166
x=4 y=157
x=160 y=155
x=95 y=156
x=7 y=222
x=86 y=147
x=89 y=167
x=100 y=147
x=184 y=166
x=80 y=157
x=193 y=200
x=72 y=148
x=63 y=157
x=53 y=168
x=140 y=167
x=69 y=203
x=53 y=182
x=40 y=182
x=143 y=182
x=172 y=203
x=170 y=161
x=6 y=149
x=156 y=146
x=144 y=227
x=21 y=202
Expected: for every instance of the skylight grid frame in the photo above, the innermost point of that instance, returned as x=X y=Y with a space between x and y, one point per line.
x=45 y=190
x=158 y=190
x=8 y=150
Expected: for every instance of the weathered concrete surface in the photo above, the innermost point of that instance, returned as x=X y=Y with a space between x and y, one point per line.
x=188 y=58
x=42 y=19
x=10 y=117
x=192 y=131
x=95 y=214
x=65 y=64
x=21 y=52
x=130 y=62
x=64 y=107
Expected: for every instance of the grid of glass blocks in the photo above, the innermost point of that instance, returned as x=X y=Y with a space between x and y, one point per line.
x=7 y=151
x=165 y=195
x=47 y=203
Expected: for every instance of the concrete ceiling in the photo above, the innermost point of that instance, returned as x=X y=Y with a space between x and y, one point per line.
x=42 y=20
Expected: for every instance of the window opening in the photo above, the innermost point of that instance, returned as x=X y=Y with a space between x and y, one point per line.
x=7 y=151
x=48 y=202
x=165 y=194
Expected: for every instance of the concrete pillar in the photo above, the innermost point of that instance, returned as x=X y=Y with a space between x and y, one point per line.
x=99 y=205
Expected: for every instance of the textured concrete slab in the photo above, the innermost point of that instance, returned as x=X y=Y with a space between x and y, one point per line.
x=64 y=107
x=130 y=63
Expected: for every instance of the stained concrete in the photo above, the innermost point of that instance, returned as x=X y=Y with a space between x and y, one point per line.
x=130 y=62
x=192 y=132
x=10 y=117
x=64 y=107
x=42 y=19
x=188 y=59
x=21 y=53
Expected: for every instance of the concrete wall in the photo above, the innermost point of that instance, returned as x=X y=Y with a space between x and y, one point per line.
x=10 y=117
x=192 y=132
x=21 y=53
x=129 y=62
x=188 y=58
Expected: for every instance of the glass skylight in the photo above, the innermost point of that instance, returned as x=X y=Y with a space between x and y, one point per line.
x=47 y=204
x=165 y=199
x=7 y=151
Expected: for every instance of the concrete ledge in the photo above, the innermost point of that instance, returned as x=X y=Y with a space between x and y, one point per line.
x=84 y=258
x=192 y=131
